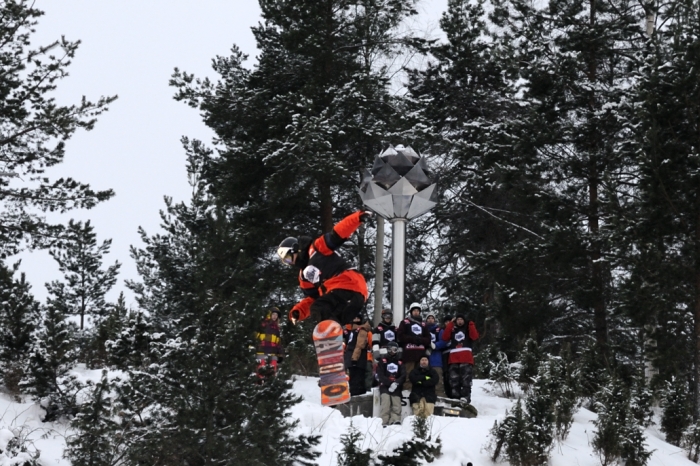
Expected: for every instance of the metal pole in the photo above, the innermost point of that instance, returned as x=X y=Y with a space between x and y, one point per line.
x=379 y=273
x=398 y=268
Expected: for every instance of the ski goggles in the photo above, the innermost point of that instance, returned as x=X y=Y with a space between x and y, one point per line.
x=286 y=255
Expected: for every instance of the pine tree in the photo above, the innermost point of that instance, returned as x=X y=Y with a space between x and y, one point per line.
x=195 y=397
x=421 y=448
x=351 y=454
x=296 y=130
x=618 y=435
x=50 y=360
x=129 y=349
x=99 y=439
x=108 y=329
x=664 y=230
x=35 y=130
x=503 y=375
x=86 y=283
x=676 y=416
x=19 y=316
x=526 y=436
x=529 y=361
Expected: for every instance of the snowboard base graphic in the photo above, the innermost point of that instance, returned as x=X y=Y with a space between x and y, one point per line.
x=328 y=340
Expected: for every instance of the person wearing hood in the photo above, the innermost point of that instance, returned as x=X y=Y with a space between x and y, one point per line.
x=269 y=342
x=461 y=335
x=436 y=354
x=356 y=347
x=414 y=338
x=423 y=381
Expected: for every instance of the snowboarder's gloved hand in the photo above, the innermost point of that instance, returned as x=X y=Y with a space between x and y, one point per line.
x=354 y=363
x=366 y=215
x=393 y=387
x=432 y=345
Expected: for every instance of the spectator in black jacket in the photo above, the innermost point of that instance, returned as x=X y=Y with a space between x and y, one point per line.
x=414 y=338
x=423 y=379
x=391 y=375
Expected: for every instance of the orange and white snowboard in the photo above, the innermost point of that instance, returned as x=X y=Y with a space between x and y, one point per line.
x=328 y=340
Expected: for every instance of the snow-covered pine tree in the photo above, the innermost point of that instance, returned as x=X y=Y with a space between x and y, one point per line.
x=35 y=130
x=526 y=436
x=98 y=435
x=352 y=454
x=50 y=360
x=196 y=399
x=574 y=57
x=297 y=129
x=677 y=416
x=19 y=317
x=129 y=349
x=419 y=450
x=641 y=399
x=618 y=436
x=666 y=258
x=503 y=375
x=529 y=360
x=85 y=283
x=564 y=392
x=108 y=328
x=457 y=106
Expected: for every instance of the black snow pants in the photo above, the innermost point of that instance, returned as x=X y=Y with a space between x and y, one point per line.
x=461 y=381
x=339 y=305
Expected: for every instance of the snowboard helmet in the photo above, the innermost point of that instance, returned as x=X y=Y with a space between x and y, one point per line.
x=286 y=250
x=392 y=348
x=387 y=312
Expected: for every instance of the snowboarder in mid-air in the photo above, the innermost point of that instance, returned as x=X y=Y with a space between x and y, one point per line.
x=335 y=294
x=334 y=290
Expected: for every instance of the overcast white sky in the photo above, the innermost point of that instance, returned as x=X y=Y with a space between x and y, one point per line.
x=129 y=48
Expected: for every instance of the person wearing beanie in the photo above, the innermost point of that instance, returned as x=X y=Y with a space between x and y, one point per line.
x=423 y=381
x=414 y=338
x=436 y=354
x=269 y=349
x=461 y=335
x=391 y=375
x=356 y=338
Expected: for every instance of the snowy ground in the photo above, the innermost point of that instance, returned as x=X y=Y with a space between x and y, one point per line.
x=463 y=440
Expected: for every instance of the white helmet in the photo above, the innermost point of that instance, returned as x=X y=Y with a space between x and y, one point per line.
x=415 y=305
x=286 y=250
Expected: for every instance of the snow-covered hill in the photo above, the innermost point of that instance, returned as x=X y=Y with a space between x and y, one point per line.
x=463 y=440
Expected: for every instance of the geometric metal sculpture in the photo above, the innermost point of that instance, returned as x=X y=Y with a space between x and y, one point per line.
x=399 y=185
x=399 y=188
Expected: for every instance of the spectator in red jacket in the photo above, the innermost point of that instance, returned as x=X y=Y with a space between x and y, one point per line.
x=334 y=290
x=460 y=363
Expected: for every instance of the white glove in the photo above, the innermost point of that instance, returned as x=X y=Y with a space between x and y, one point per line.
x=432 y=345
x=375 y=348
x=393 y=387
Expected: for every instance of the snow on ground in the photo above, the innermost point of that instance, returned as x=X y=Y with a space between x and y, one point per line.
x=463 y=440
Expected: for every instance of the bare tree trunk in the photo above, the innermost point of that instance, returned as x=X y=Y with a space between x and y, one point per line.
x=326 y=200
x=600 y=323
x=696 y=413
